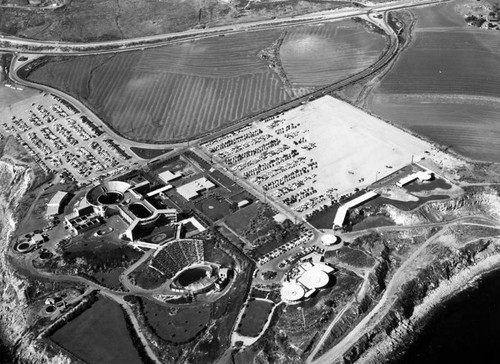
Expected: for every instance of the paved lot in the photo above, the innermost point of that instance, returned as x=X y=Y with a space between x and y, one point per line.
x=61 y=139
x=313 y=154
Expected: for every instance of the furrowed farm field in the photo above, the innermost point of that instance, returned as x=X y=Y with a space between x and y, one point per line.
x=446 y=84
x=181 y=91
x=172 y=92
x=469 y=127
x=318 y=55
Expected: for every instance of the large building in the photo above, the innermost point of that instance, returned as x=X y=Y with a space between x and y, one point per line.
x=193 y=189
x=310 y=278
x=341 y=214
x=122 y=199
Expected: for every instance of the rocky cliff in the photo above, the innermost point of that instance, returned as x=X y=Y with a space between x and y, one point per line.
x=452 y=272
x=21 y=346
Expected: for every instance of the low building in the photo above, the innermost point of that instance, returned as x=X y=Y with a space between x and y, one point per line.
x=159 y=190
x=243 y=203
x=82 y=224
x=310 y=278
x=330 y=239
x=421 y=176
x=56 y=203
x=341 y=214
x=193 y=189
x=37 y=239
x=168 y=176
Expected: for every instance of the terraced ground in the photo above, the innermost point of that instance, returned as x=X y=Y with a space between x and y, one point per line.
x=446 y=85
x=318 y=55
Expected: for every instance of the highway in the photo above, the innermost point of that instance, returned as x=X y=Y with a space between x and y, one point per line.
x=15 y=44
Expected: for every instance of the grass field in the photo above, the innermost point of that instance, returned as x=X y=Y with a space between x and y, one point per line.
x=352 y=256
x=254 y=317
x=172 y=92
x=317 y=55
x=214 y=208
x=176 y=325
x=324 y=219
x=445 y=86
x=239 y=220
x=98 y=340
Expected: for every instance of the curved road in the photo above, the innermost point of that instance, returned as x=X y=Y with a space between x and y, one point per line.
x=385 y=303
x=391 y=51
x=14 y=44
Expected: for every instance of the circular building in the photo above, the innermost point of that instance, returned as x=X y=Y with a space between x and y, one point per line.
x=330 y=239
x=292 y=292
x=314 y=278
x=108 y=193
x=25 y=246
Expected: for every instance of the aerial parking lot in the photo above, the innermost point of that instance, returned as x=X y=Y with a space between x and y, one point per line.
x=61 y=139
x=316 y=153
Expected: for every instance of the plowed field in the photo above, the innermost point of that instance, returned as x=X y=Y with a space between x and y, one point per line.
x=318 y=55
x=446 y=85
x=172 y=92
x=180 y=91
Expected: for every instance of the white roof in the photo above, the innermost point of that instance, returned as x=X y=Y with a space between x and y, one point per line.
x=159 y=190
x=407 y=179
x=57 y=198
x=314 y=278
x=329 y=239
x=342 y=211
x=325 y=268
x=309 y=293
x=168 y=176
x=292 y=291
x=359 y=200
x=192 y=189
x=340 y=216
x=424 y=176
x=37 y=237
x=52 y=210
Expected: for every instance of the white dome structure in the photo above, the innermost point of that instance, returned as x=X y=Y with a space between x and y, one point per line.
x=314 y=278
x=329 y=239
x=292 y=292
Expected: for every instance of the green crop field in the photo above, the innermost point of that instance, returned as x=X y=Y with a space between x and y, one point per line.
x=318 y=55
x=445 y=85
x=98 y=340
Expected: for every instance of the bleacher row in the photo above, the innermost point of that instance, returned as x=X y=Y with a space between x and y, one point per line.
x=177 y=255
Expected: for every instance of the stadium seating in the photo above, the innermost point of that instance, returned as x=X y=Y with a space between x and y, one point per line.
x=177 y=255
